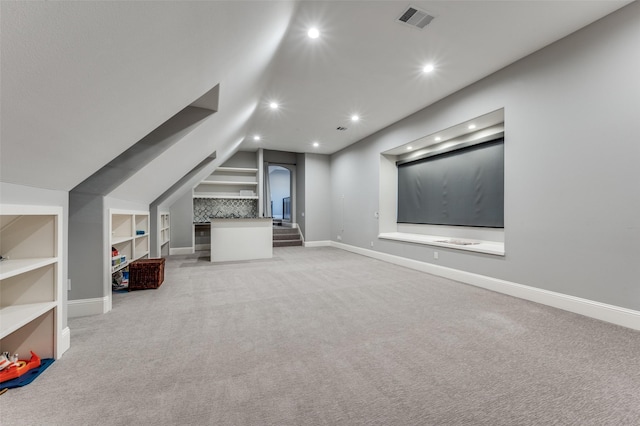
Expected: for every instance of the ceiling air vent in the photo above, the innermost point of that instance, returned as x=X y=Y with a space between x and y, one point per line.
x=415 y=17
x=341 y=128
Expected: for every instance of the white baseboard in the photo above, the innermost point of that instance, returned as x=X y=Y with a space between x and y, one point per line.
x=180 y=250
x=317 y=243
x=601 y=311
x=86 y=307
x=64 y=342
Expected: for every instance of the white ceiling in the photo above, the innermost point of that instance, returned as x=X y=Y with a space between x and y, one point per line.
x=367 y=63
x=83 y=81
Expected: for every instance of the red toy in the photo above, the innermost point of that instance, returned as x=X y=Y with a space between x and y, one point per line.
x=23 y=366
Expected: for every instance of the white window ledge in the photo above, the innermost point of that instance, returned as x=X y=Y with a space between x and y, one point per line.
x=478 y=246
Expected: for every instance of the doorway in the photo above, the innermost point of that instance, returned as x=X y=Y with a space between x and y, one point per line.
x=280 y=192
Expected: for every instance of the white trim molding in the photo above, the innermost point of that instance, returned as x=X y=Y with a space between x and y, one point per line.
x=181 y=250
x=317 y=243
x=64 y=343
x=610 y=313
x=86 y=307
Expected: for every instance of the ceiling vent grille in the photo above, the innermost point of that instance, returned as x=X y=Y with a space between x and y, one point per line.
x=415 y=17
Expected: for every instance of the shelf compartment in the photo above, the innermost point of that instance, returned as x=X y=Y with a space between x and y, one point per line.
x=116 y=268
x=121 y=226
x=35 y=286
x=236 y=170
x=28 y=236
x=124 y=248
x=14 y=317
x=29 y=328
x=141 y=246
x=10 y=267
x=142 y=224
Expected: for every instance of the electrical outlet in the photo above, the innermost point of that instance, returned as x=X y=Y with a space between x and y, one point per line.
x=339 y=238
x=376 y=215
x=371 y=243
x=435 y=255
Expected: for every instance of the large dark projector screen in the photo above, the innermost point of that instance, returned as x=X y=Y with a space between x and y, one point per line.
x=463 y=187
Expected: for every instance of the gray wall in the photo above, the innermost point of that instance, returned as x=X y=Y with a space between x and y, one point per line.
x=242 y=159
x=572 y=198
x=283 y=157
x=317 y=197
x=27 y=195
x=181 y=214
x=87 y=245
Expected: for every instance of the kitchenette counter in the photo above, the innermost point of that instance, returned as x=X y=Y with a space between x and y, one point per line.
x=241 y=239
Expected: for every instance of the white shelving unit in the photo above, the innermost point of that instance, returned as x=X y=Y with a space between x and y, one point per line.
x=129 y=231
x=164 y=234
x=31 y=281
x=229 y=182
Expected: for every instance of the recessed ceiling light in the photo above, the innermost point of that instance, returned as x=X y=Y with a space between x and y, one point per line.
x=273 y=105
x=316 y=144
x=472 y=126
x=438 y=139
x=355 y=117
x=256 y=138
x=313 y=33
x=409 y=148
x=428 y=68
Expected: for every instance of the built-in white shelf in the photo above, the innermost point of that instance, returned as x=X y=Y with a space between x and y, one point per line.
x=124 y=228
x=165 y=234
x=230 y=183
x=16 y=316
x=488 y=247
x=226 y=182
x=31 y=302
x=236 y=170
x=10 y=268
x=226 y=196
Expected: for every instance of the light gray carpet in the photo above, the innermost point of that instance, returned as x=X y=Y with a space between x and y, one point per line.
x=320 y=336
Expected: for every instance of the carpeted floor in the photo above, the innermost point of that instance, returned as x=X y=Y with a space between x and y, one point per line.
x=320 y=336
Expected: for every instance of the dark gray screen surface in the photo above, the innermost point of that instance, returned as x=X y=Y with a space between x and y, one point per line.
x=463 y=187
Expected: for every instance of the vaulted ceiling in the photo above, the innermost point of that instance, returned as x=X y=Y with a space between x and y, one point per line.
x=83 y=82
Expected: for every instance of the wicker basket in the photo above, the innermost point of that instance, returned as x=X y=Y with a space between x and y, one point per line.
x=146 y=273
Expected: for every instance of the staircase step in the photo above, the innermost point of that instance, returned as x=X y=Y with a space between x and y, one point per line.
x=286 y=236
x=287 y=243
x=285 y=231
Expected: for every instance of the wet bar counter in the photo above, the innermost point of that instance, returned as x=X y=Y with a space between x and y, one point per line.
x=241 y=239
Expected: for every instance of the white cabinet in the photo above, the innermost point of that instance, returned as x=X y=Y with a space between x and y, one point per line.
x=129 y=231
x=229 y=182
x=31 y=281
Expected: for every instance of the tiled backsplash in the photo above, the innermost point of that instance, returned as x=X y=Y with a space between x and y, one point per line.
x=207 y=208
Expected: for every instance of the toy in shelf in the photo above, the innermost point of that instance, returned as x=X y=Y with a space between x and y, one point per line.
x=17 y=367
x=7 y=360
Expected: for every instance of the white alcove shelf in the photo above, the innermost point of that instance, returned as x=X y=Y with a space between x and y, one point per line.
x=31 y=298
